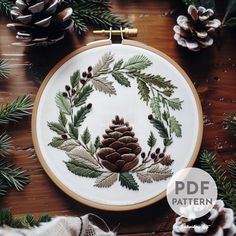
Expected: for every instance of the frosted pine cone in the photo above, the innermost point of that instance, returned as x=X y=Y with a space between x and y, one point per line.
x=218 y=222
x=196 y=30
x=119 y=148
x=40 y=22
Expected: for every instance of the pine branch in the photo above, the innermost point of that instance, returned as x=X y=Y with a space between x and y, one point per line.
x=95 y=13
x=4 y=68
x=5 y=144
x=230 y=122
x=226 y=189
x=12 y=176
x=26 y=221
x=15 y=110
x=6 y=6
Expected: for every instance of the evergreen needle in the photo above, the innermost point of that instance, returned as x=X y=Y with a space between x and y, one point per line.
x=4 y=68
x=15 y=110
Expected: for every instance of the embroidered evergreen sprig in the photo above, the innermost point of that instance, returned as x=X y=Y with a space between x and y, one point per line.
x=26 y=221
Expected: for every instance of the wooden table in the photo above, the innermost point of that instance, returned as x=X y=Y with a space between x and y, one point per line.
x=212 y=71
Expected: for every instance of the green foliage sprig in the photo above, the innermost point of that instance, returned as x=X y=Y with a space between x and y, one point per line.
x=11 y=176
x=226 y=186
x=15 y=110
x=230 y=122
x=4 y=68
x=26 y=221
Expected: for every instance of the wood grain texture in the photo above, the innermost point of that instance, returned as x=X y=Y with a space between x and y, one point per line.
x=211 y=70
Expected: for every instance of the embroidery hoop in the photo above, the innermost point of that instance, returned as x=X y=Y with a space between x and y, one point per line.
x=49 y=172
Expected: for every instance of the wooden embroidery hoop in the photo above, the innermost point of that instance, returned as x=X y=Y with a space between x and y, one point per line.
x=35 y=110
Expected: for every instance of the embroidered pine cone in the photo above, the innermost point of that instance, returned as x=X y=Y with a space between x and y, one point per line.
x=119 y=148
x=196 y=31
x=40 y=22
x=219 y=221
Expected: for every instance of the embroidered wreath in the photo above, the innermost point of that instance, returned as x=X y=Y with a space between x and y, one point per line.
x=118 y=155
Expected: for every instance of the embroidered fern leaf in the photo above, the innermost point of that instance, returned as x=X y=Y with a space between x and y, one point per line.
x=81 y=98
x=80 y=116
x=56 y=142
x=63 y=104
x=143 y=91
x=159 y=125
x=151 y=140
x=102 y=67
x=75 y=79
x=73 y=131
x=121 y=79
x=103 y=85
x=81 y=169
x=57 y=127
x=127 y=180
x=106 y=180
x=156 y=107
x=86 y=136
x=144 y=177
x=138 y=62
x=175 y=103
x=159 y=172
x=62 y=119
x=175 y=127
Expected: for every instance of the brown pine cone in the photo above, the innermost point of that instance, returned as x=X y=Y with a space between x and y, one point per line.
x=40 y=22
x=219 y=221
x=119 y=148
x=196 y=30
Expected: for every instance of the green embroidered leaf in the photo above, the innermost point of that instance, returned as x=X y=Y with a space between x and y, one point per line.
x=175 y=127
x=80 y=169
x=167 y=141
x=156 y=107
x=118 y=65
x=168 y=92
x=56 y=142
x=80 y=154
x=63 y=104
x=143 y=90
x=144 y=177
x=81 y=98
x=103 y=85
x=106 y=180
x=159 y=172
x=73 y=131
x=62 y=119
x=175 y=103
x=158 y=124
x=68 y=145
x=86 y=136
x=102 y=67
x=138 y=62
x=151 y=140
x=91 y=148
x=166 y=116
x=121 y=79
x=97 y=142
x=80 y=116
x=57 y=127
x=127 y=180
x=75 y=79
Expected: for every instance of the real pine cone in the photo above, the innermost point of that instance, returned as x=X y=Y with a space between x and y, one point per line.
x=218 y=222
x=196 y=31
x=119 y=148
x=40 y=22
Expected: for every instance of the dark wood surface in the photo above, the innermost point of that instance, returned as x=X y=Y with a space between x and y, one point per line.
x=212 y=72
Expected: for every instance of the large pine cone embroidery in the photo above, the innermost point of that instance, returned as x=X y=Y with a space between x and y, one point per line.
x=119 y=148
